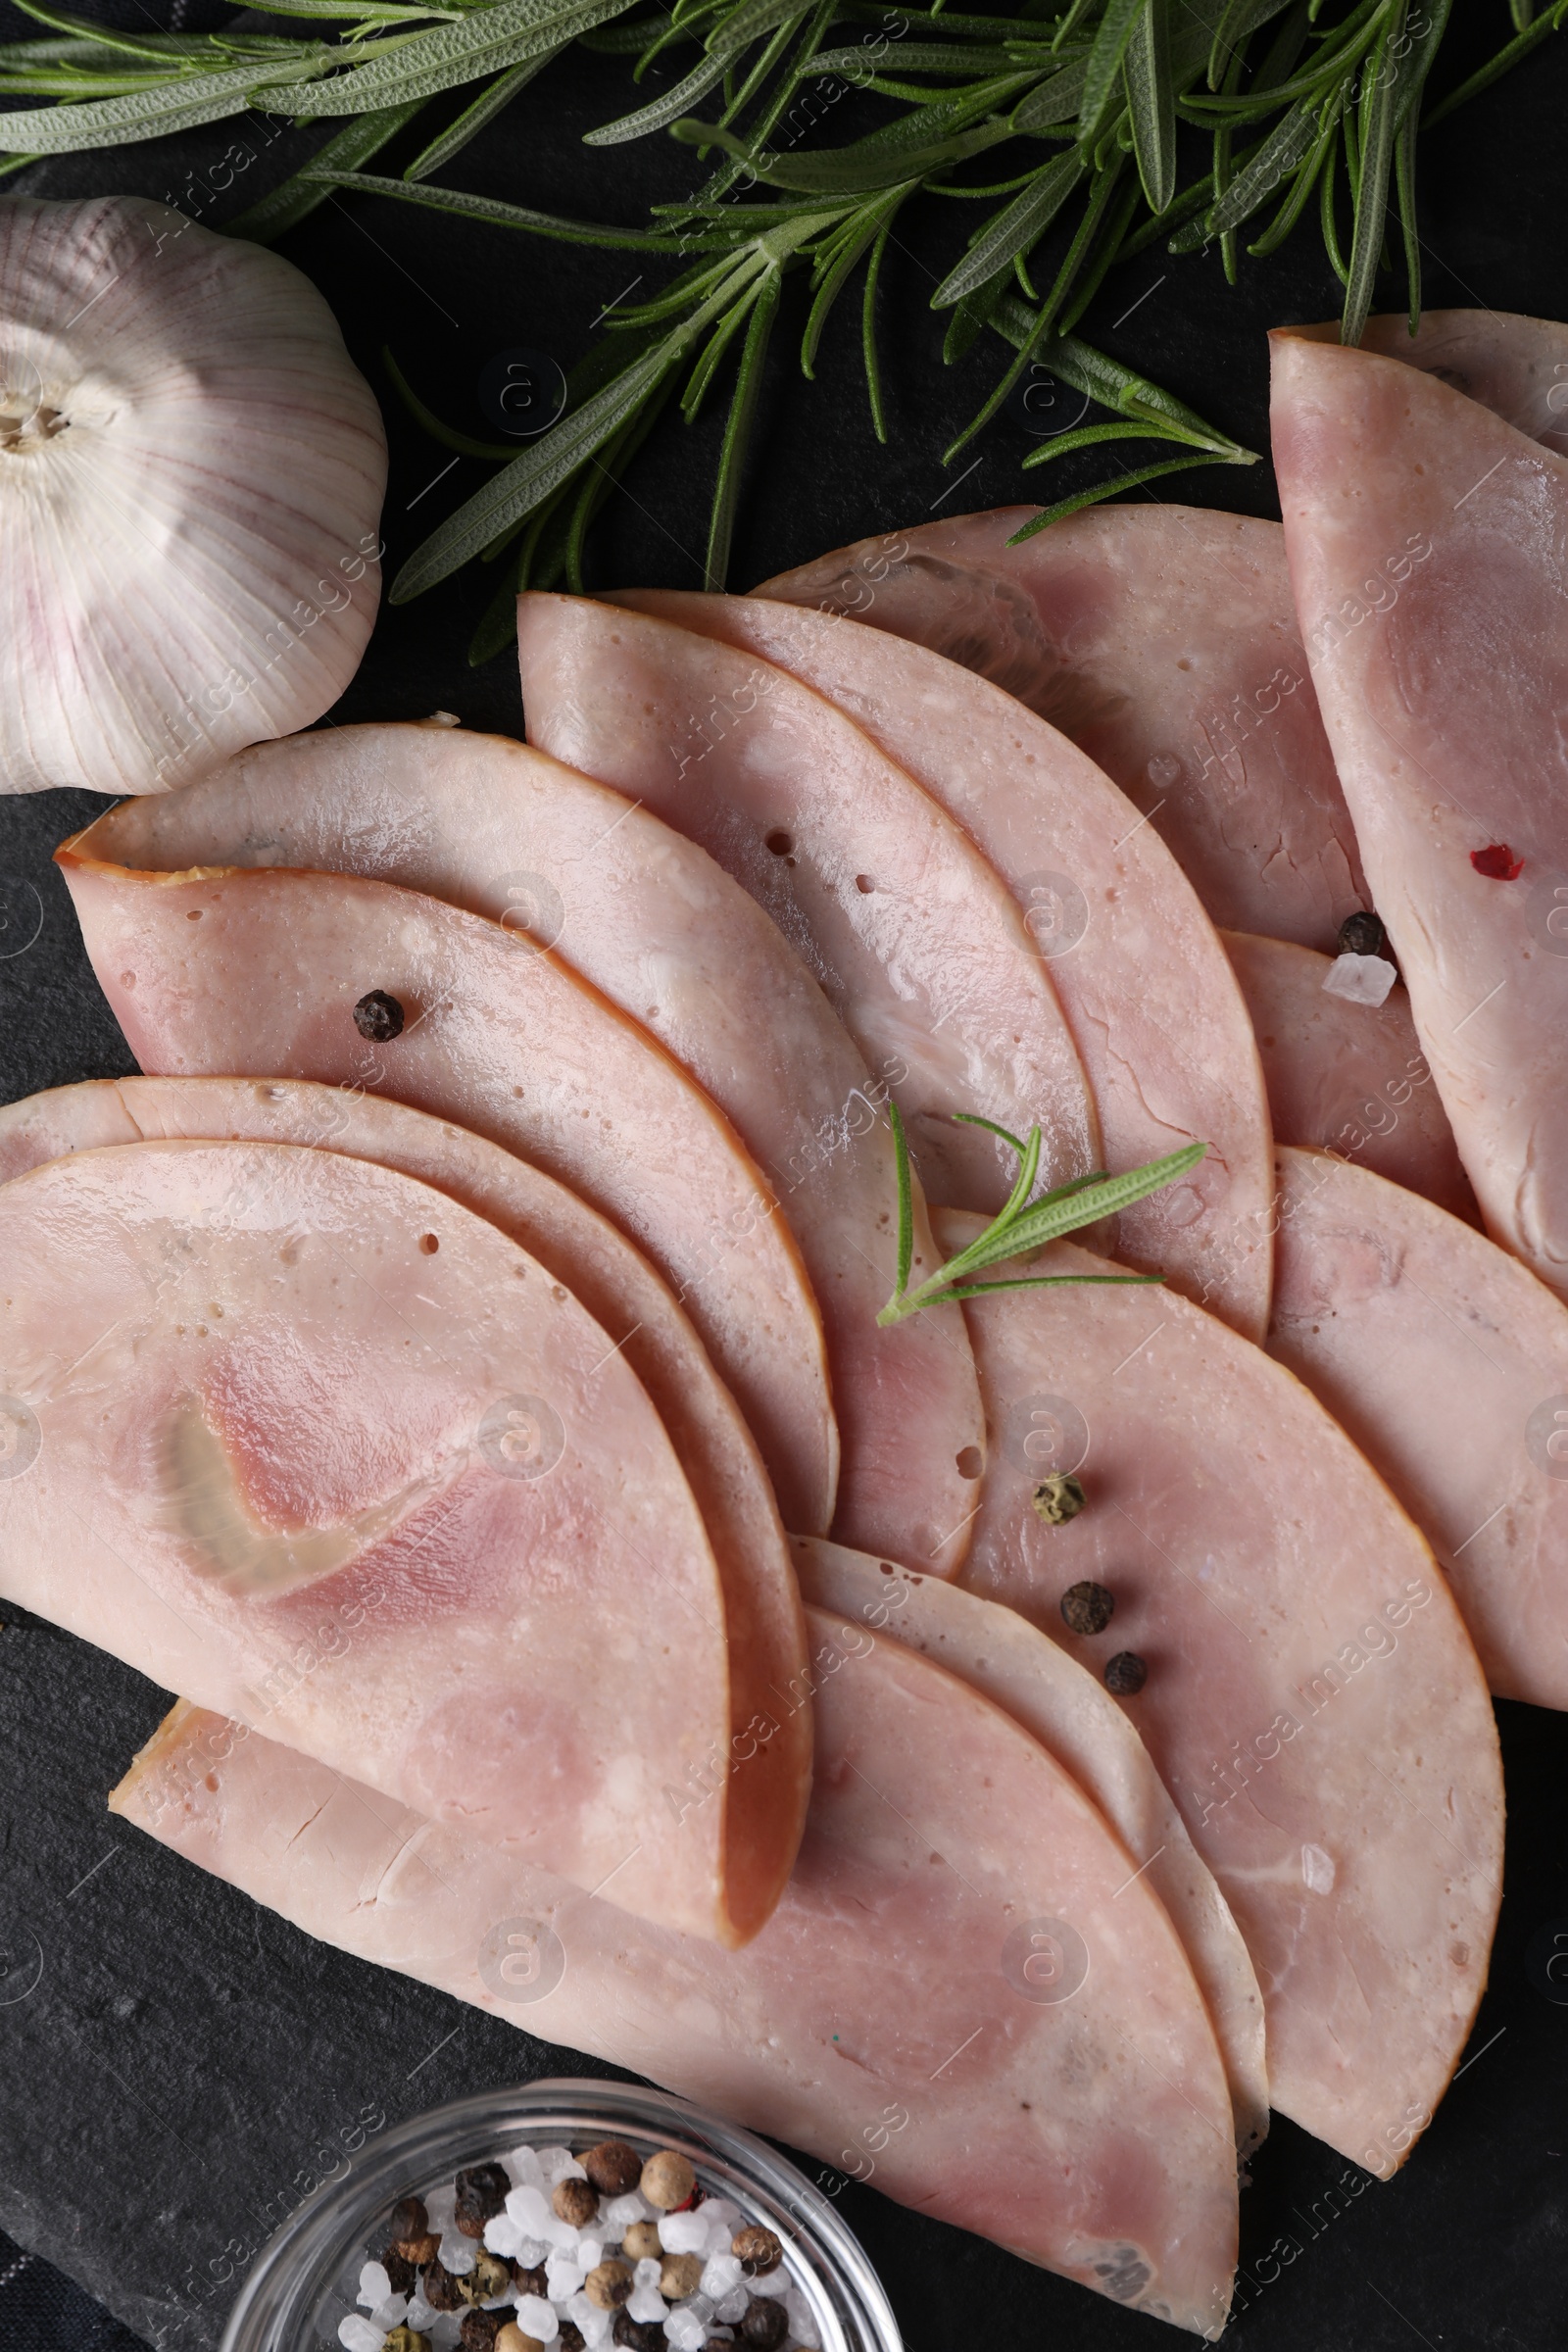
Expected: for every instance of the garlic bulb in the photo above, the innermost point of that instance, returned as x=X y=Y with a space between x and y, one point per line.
x=191 y=473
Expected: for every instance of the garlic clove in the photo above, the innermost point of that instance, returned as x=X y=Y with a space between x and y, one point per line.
x=191 y=475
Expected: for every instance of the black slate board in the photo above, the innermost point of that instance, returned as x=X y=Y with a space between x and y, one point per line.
x=178 y=2067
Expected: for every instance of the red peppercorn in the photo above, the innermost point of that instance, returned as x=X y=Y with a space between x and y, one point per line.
x=1497 y=863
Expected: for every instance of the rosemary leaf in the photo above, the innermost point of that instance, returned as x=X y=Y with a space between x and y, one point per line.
x=1371 y=190
x=1016 y=229
x=363 y=136
x=1102 y=490
x=1404 y=174
x=863 y=230
x=1241 y=20
x=474 y=118
x=1275 y=160
x=737 y=430
x=871 y=359
x=1151 y=103
x=1116 y=28
x=488 y=41
x=1086 y=436
x=495 y=214
x=182 y=104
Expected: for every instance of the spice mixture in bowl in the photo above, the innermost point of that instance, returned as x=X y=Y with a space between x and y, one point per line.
x=566 y=2217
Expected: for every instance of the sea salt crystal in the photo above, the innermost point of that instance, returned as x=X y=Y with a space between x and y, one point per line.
x=536 y=2318
x=685 y=2331
x=562 y=2277
x=721 y=2214
x=522 y=2165
x=617 y=2214
x=595 y=2325
x=558 y=2164
x=359 y=2334
x=390 y=2314
x=646 y=2272
x=730 y=2310
x=528 y=2207
x=776 y=2282
x=646 y=2303
x=684 y=2232
x=721 y=2275
x=1359 y=979
x=503 y=2236
x=700 y=2305
x=456 y=2253
x=590 y=2253
x=376 y=2285
x=803 y=2326
x=445 y=2331
x=530 y=2252
x=419 y=2313
x=441 y=2204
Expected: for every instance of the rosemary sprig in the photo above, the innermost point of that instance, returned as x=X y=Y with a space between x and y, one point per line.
x=1023 y=1225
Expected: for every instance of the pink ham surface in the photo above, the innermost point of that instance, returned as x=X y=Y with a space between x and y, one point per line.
x=1068 y=1710
x=1348 y=1078
x=653 y=922
x=762 y=1618
x=1164 y=641
x=883 y=2019
x=1516 y=367
x=1429 y=544
x=1165 y=1041
x=223 y=971
x=304 y=1437
x=1312 y=1701
x=922 y=951
x=1448 y=1364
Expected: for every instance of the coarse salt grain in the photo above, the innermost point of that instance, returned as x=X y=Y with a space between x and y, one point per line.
x=590 y=2253
x=537 y=2317
x=558 y=2164
x=646 y=2272
x=528 y=2207
x=390 y=2314
x=359 y=2334
x=684 y=2232
x=721 y=2275
x=376 y=2285
x=646 y=2303
x=456 y=2253
x=775 y=2283
x=503 y=2236
x=530 y=2253
x=421 y=2314
x=522 y=2165
x=685 y=2331
x=562 y=2277
x=700 y=2305
x=617 y=2214
x=730 y=2310
x=1359 y=979
x=721 y=2214
x=802 y=2328
x=595 y=2325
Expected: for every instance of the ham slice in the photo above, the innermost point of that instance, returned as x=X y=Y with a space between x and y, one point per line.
x=922 y=951
x=1164 y=641
x=654 y=924
x=222 y=970
x=1313 y=1704
x=304 y=1437
x=1347 y=1077
x=1067 y=1708
x=1516 y=367
x=1155 y=1014
x=1428 y=541
x=1447 y=1363
x=966 y=1995
x=622 y=1293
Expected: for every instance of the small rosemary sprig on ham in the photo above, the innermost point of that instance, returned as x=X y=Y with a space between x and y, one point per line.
x=1023 y=1225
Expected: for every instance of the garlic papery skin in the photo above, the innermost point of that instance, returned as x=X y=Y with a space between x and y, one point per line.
x=191 y=475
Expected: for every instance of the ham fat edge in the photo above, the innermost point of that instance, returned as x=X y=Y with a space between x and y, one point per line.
x=306 y=1401
x=648 y=919
x=765 y=1637
x=966 y=1972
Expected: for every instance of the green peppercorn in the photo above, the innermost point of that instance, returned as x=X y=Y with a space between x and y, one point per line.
x=1058 y=1498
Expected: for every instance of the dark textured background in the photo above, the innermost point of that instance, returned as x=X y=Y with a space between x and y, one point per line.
x=177 y=2067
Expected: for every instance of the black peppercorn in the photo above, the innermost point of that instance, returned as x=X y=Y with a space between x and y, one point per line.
x=574 y=2201
x=1058 y=1498
x=400 y=2270
x=481 y=2193
x=613 y=2167
x=439 y=2288
x=380 y=1017
x=638 y=2335
x=569 y=2336
x=529 y=2282
x=409 y=2220
x=482 y=2328
x=1362 y=934
x=1126 y=1674
x=765 y=2323
x=1087 y=1608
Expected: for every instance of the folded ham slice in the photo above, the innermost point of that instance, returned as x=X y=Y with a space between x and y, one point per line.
x=302 y=1435
x=1312 y=1699
x=1427 y=541
x=1514 y=366
x=1163 y=1038
x=1068 y=1710
x=623 y=1295
x=222 y=970
x=1447 y=1363
x=1164 y=641
x=921 y=950
x=1347 y=1077
x=650 y=919
x=967 y=1996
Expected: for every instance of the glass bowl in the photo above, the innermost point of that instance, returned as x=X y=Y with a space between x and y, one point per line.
x=306 y=2278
